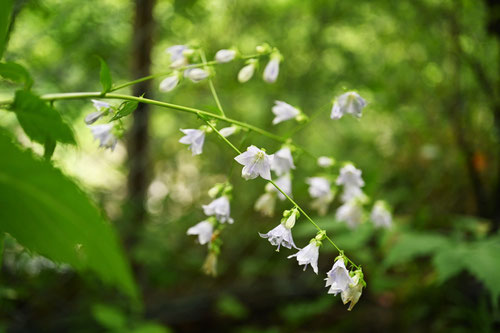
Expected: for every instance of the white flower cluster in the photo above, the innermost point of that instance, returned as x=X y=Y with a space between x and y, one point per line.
x=105 y=133
x=348 y=284
x=218 y=213
x=351 y=211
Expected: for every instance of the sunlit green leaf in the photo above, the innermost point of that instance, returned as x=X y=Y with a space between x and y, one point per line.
x=109 y=317
x=16 y=73
x=5 y=13
x=105 y=74
x=47 y=213
x=127 y=108
x=40 y=121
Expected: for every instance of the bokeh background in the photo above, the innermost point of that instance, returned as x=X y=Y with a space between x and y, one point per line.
x=428 y=144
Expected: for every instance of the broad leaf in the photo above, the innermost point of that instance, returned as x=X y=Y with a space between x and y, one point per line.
x=16 y=73
x=5 y=13
x=411 y=245
x=40 y=121
x=47 y=213
x=126 y=109
x=105 y=74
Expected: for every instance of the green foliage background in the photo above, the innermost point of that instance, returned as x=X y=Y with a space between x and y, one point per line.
x=417 y=63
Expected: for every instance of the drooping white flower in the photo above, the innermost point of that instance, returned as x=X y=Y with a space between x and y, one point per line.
x=176 y=52
x=228 y=131
x=325 y=161
x=93 y=117
x=255 y=163
x=308 y=256
x=353 y=292
x=352 y=192
x=266 y=203
x=177 y=56
x=204 y=230
x=338 y=278
x=282 y=161
x=350 y=213
x=246 y=72
x=349 y=102
x=322 y=203
x=284 y=111
x=318 y=187
x=104 y=133
x=221 y=208
x=284 y=183
x=101 y=107
x=223 y=56
x=272 y=68
x=281 y=235
x=380 y=215
x=350 y=176
x=194 y=138
x=170 y=82
x=196 y=74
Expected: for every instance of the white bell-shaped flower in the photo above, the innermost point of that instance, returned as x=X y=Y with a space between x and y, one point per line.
x=204 y=230
x=284 y=183
x=280 y=236
x=246 y=72
x=350 y=176
x=349 y=102
x=194 y=138
x=282 y=161
x=266 y=203
x=101 y=107
x=169 y=83
x=284 y=111
x=196 y=74
x=176 y=52
x=104 y=133
x=351 y=213
x=318 y=187
x=322 y=203
x=353 y=292
x=308 y=256
x=272 y=69
x=380 y=215
x=352 y=192
x=223 y=56
x=338 y=278
x=228 y=131
x=325 y=161
x=220 y=208
x=255 y=163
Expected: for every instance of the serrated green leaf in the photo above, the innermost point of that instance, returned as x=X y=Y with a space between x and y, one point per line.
x=5 y=14
x=105 y=74
x=484 y=264
x=411 y=245
x=47 y=213
x=126 y=109
x=450 y=261
x=40 y=121
x=16 y=73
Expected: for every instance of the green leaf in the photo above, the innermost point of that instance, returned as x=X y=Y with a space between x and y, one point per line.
x=411 y=245
x=40 y=121
x=47 y=213
x=125 y=109
x=5 y=14
x=106 y=80
x=109 y=317
x=16 y=73
x=50 y=146
x=450 y=261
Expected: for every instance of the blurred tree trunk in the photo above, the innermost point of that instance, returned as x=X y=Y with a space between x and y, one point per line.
x=138 y=136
